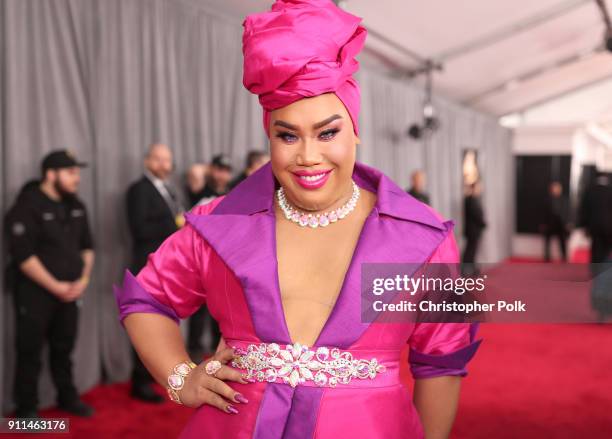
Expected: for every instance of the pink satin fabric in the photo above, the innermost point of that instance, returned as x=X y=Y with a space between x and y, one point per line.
x=362 y=416
x=437 y=339
x=175 y=273
x=387 y=413
x=186 y=273
x=300 y=49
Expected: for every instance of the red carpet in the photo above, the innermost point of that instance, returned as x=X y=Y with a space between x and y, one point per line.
x=527 y=381
x=119 y=416
x=539 y=381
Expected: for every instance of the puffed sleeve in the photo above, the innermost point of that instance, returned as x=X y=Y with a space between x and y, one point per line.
x=442 y=349
x=172 y=283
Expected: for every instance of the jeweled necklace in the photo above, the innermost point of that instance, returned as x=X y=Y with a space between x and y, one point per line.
x=320 y=219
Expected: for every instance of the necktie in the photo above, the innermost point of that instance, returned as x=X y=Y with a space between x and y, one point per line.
x=172 y=201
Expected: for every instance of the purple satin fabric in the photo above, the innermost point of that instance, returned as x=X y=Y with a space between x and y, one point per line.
x=247 y=211
x=216 y=256
x=274 y=410
x=454 y=363
x=132 y=298
x=302 y=421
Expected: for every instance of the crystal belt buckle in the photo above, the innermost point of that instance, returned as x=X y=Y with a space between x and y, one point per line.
x=297 y=364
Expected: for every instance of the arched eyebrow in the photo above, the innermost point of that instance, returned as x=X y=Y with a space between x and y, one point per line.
x=329 y=120
x=316 y=126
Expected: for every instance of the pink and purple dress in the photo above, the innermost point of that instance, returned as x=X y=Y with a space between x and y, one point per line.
x=225 y=258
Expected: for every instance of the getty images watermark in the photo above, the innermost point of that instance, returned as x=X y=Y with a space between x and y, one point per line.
x=458 y=286
x=445 y=293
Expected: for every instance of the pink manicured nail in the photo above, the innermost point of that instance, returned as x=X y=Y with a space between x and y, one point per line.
x=231 y=409
x=240 y=398
x=251 y=380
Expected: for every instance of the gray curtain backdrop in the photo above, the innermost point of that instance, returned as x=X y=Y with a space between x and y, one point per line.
x=107 y=77
x=390 y=106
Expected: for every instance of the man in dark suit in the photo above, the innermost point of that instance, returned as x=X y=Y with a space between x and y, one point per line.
x=154 y=213
x=474 y=223
x=596 y=217
x=556 y=217
x=417 y=188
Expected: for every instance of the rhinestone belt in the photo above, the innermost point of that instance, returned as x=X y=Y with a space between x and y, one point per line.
x=297 y=364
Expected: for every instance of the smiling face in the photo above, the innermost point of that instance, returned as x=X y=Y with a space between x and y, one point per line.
x=312 y=152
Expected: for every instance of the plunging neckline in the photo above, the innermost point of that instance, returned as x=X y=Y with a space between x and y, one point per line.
x=341 y=293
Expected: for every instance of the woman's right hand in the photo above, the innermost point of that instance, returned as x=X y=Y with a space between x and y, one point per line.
x=202 y=388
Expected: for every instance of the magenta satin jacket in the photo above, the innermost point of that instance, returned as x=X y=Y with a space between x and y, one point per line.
x=225 y=257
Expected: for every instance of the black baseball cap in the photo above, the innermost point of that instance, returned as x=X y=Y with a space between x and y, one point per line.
x=222 y=161
x=61 y=159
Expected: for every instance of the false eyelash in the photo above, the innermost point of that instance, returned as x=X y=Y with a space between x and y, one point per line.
x=284 y=134
x=331 y=132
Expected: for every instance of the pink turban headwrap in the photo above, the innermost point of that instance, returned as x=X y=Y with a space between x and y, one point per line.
x=302 y=48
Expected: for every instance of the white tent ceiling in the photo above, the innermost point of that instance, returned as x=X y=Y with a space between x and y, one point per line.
x=536 y=58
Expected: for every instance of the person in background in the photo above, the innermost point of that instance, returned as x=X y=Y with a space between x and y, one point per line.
x=595 y=216
x=196 y=180
x=474 y=223
x=51 y=250
x=218 y=179
x=154 y=213
x=217 y=184
x=255 y=160
x=417 y=189
x=556 y=222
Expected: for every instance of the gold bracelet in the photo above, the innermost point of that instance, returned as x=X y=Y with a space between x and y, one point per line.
x=176 y=380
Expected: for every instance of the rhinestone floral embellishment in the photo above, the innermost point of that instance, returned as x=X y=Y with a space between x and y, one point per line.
x=297 y=364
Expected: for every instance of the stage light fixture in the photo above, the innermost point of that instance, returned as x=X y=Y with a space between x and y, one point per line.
x=430 y=123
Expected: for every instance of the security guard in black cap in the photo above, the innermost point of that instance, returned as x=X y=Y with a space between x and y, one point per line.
x=51 y=250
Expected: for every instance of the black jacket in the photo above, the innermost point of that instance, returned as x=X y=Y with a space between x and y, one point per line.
x=150 y=220
x=54 y=231
x=556 y=214
x=596 y=217
x=421 y=196
x=474 y=220
x=596 y=210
